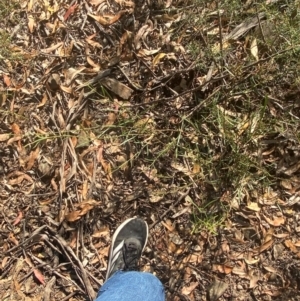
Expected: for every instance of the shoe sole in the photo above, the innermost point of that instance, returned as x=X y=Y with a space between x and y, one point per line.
x=114 y=239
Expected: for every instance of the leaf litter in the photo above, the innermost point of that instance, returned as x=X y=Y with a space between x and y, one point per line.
x=126 y=108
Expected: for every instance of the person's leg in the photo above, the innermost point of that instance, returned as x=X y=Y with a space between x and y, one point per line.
x=131 y=286
x=123 y=282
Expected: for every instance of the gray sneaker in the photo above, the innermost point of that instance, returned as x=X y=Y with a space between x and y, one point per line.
x=128 y=243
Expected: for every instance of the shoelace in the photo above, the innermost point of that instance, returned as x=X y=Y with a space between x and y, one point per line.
x=130 y=256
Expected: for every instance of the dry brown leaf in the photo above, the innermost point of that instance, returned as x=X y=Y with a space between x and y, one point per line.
x=278 y=221
x=239 y=271
x=96 y=2
x=30 y=5
x=14 y=139
x=31 y=24
x=252 y=260
x=289 y=244
x=117 y=87
x=270 y=269
x=146 y=52
x=39 y=276
x=65 y=50
x=52 y=48
x=68 y=90
x=158 y=58
x=273 y=292
x=264 y=246
x=281 y=235
x=253 y=206
x=107 y=20
x=32 y=157
x=4 y=261
x=93 y=43
x=168 y=224
x=155 y=198
x=4 y=137
x=43 y=101
x=254 y=277
x=84 y=208
x=6 y=80
x=222 y=268
x=70 y=11
x=111 y=118
x=95 y=66
x=20 y=176
x=254 y=49
x=71 y=74
x=18 y=219
x=16 y=129
x=104 y=231
x=12 y=238
x=217 y=289
x=186 y=290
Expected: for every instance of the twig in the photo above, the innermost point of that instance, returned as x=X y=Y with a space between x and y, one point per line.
x=179 y=95
x=260 y=27
x=130 y=81
x=36 y=232
x=202 y=103
x=171 y=208
x=220 y=34
x=69 y=296
x=85 y=278
x=47 y=266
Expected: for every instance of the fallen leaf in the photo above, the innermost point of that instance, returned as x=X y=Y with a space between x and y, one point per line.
x=39 y=276
x=117 y=87
x=186 y=290
x=31 y=24
x=111 y=118
x=70 y=11
x=32 y=157
x=254 y=49
x=289 y=244
x=12 y=238
x=172 y=247
x=16 y=129
x=71 y=74
x=222 y=268
x=270 y=269
x=168 y=224
x=96 y=2
x=52 y=48
x=43 y=101
x=4 y=137
x=18 y=219
x=84 y=208
x=253 y=206
x=6 y=80
x=254 y=277
x=217 y=289
x=158 y=58
x=146 y=52
x=275 y=222
x=104 y=231
x=252 y=261
x=264 y=247
x=107 y=20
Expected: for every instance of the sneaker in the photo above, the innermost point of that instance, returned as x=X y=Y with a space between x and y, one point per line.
x=128 y=243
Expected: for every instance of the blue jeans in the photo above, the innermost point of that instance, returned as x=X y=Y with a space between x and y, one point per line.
x=131 y=286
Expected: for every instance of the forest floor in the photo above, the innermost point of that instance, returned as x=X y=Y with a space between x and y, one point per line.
x=185 y=113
